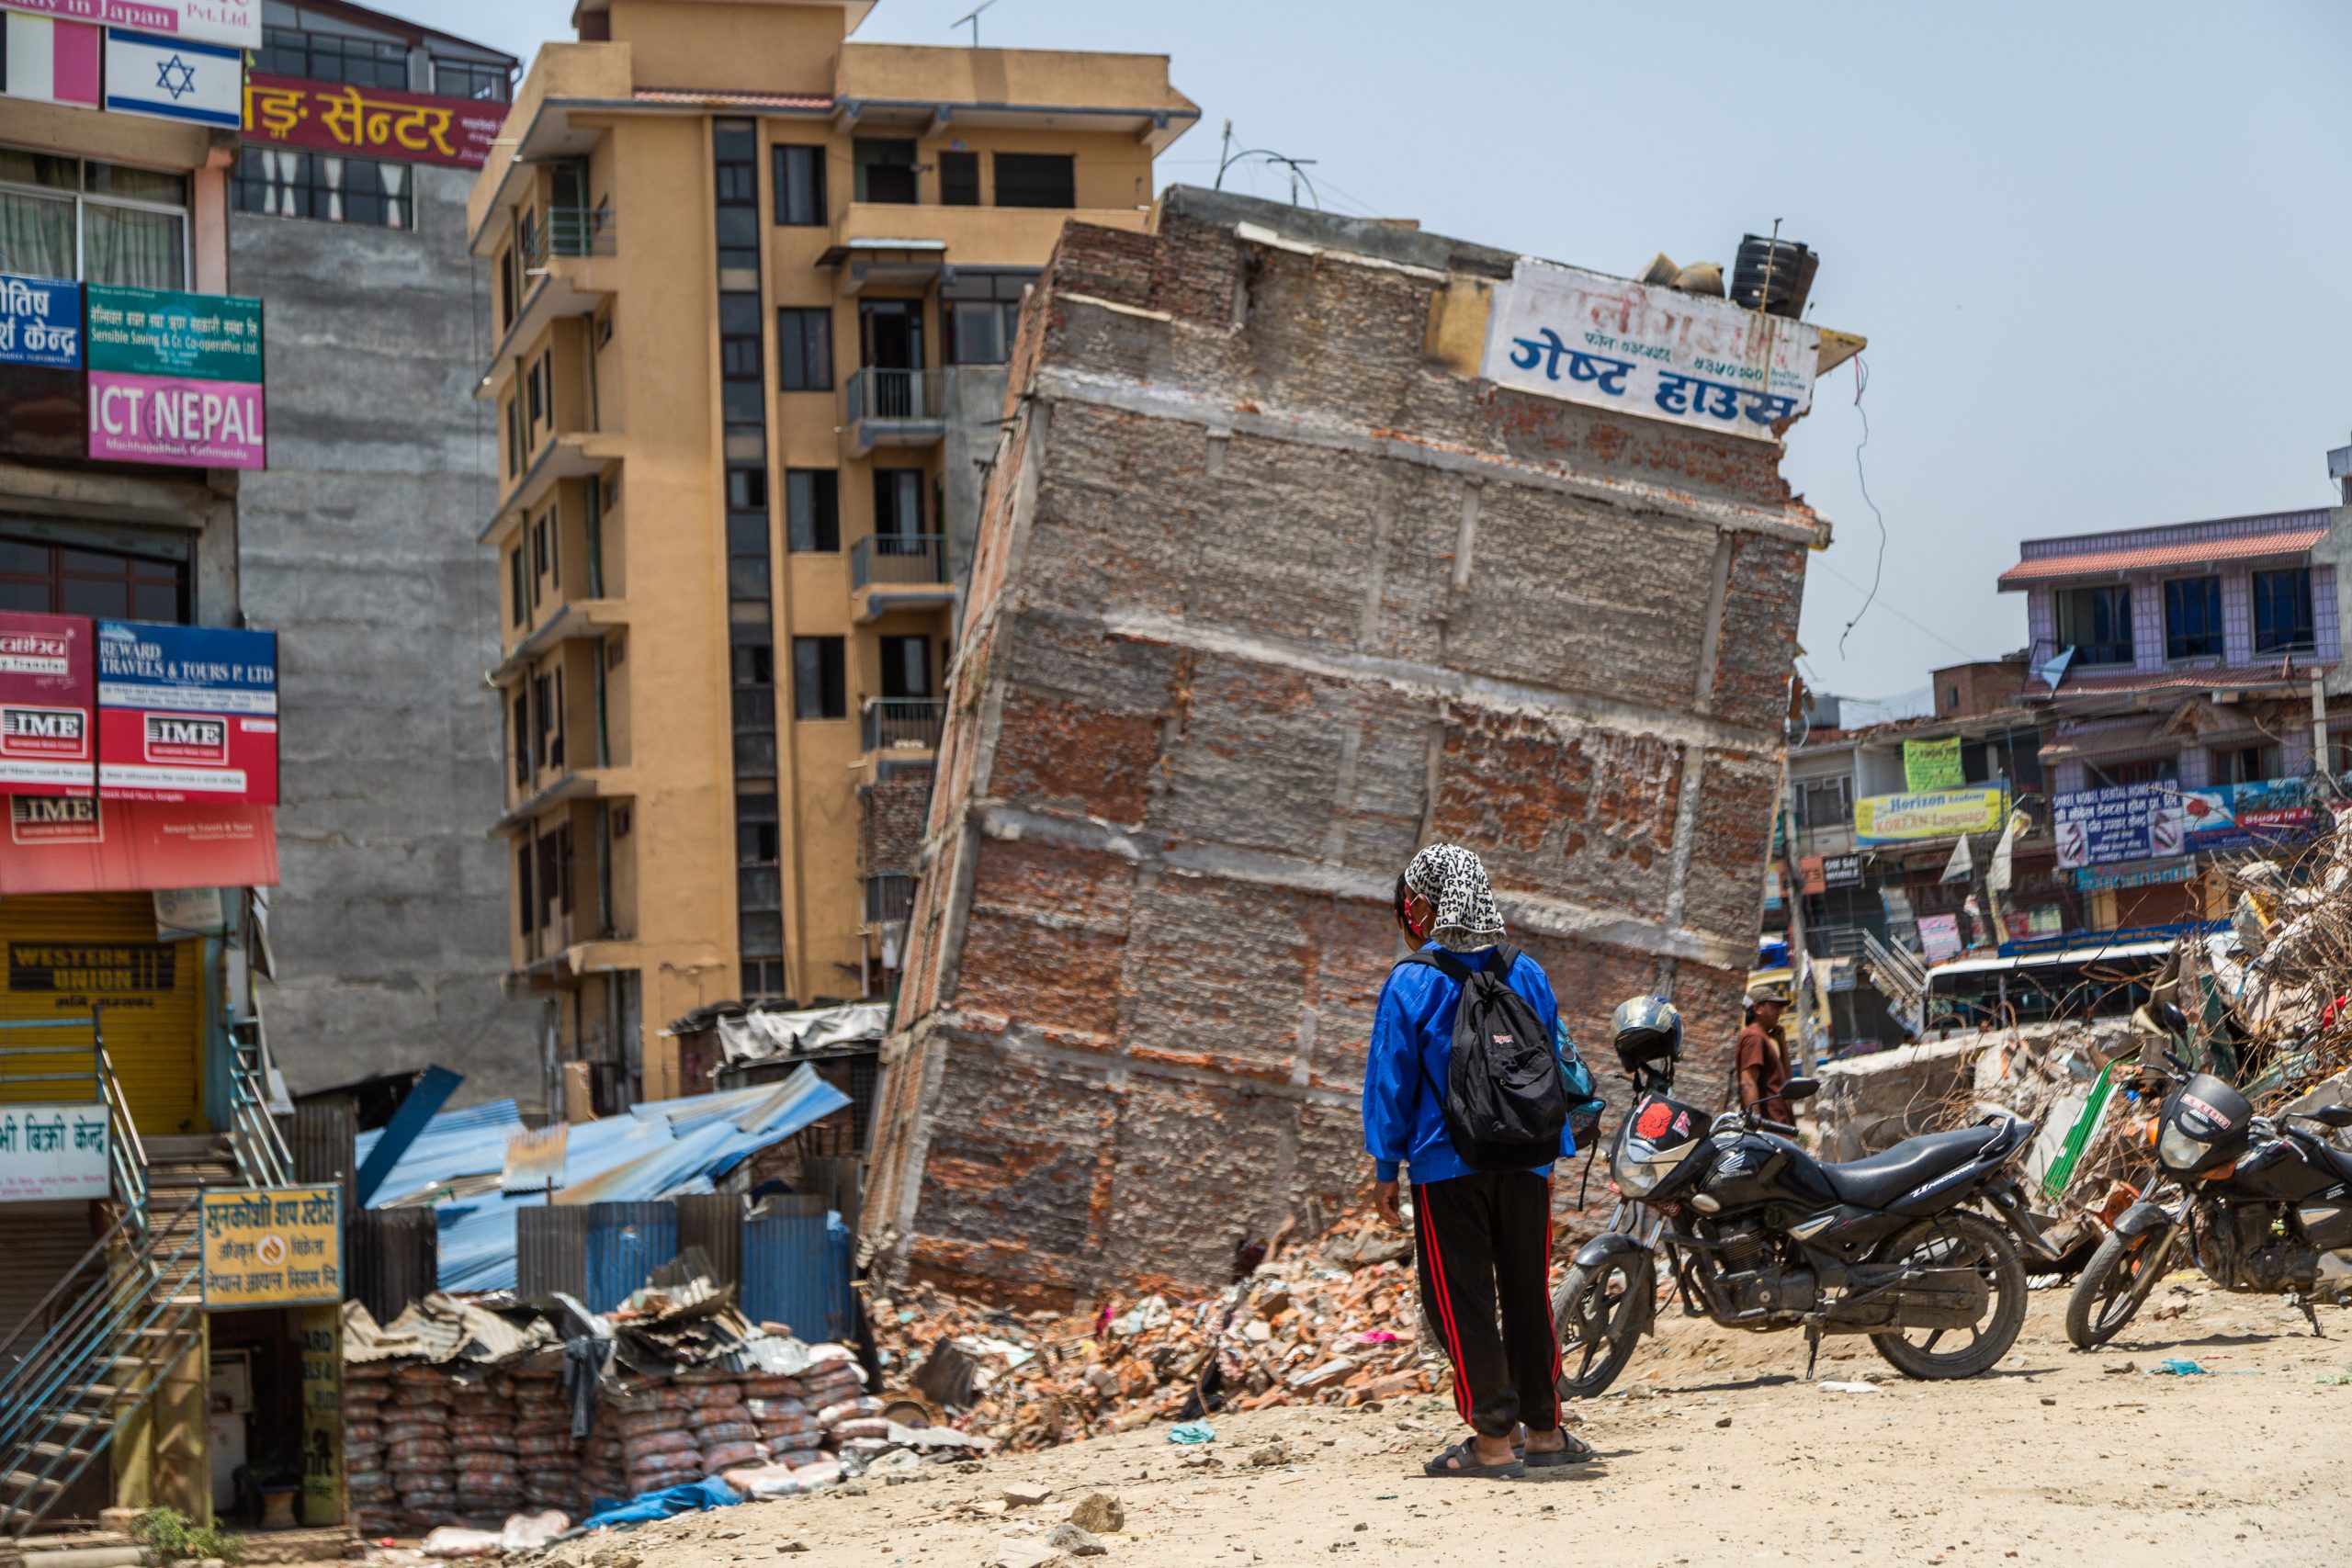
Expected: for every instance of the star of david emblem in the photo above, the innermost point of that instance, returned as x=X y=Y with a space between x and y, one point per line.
x=176 y=76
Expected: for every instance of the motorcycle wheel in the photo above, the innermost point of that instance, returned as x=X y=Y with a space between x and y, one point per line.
x=1599 y=1314
x=2109 y=1291
x=1958 y=1239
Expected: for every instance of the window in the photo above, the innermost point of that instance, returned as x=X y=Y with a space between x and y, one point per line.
x=471 y=79
x=1037 y=179
x=330 y=57
x=2141 y=769
x=280 y=182
x=543 y=392
x=553 y=524
x=2282 y=610
x=906 y=666
x=959 y=179
x=983 y=314
x=804 y=349
x=897 y=506
x=819 y=678
x=514 y=433
x=812 y=506
x=2193 y=617
x=2096 y=624
x=886 y=170
x=1824 y=802
x=524 y=893
x=60 y=580
x=546 y=696
x=738 y=357
x=518 y=593
x=98 y=222
x=800 y=188
x=747 y=534
x=2245 y=764
x=522 y=744
x=735 y=176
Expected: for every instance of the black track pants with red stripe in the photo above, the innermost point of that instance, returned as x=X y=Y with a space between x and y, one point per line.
x=1485 y=1251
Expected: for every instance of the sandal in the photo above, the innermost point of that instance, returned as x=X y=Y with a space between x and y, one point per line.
x=1572 y=1450
x=1462 y=1459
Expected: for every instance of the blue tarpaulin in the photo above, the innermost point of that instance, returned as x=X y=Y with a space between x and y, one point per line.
x=693 y=1497
x=665 y=1150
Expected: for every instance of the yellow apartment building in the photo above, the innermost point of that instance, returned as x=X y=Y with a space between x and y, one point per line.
x=754 y=285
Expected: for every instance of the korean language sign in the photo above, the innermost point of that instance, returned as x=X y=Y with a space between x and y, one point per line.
x=1928 y=814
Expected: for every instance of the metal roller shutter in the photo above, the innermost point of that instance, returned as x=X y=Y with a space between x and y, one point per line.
x=66 y=952
x=41 y=1242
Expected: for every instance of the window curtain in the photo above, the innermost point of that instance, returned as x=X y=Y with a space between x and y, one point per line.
x=395 y=178
x=36 y=235
x=137 y=250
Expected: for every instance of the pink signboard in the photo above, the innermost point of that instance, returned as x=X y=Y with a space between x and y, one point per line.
x=48 y=706
x=175 y=419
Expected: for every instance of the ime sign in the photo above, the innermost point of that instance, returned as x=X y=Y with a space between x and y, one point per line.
x=188 y=713
x=48 y=727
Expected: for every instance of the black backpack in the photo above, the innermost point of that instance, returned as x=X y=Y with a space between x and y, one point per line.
x=1505 y=1101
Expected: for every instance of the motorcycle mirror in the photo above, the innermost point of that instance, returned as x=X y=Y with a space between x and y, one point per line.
x=1800 y=1089
x=2330 y=1115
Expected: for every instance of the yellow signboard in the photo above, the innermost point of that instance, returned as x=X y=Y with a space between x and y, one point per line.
x=1932 y=765
x=273 y=1246
x=1928 y=814
x=323 y=1483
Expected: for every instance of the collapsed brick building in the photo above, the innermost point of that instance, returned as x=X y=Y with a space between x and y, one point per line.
x=1273 y=586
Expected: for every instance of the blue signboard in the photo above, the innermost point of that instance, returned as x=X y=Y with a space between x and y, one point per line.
x=188 y=713
x=40 y=323
x=2160 y=819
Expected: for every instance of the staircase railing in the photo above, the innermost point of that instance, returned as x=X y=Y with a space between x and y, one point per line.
x=263 y=1159
x=126 y=1156
x=49 y=1431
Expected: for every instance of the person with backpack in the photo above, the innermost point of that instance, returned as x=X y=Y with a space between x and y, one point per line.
x=1465 y=1083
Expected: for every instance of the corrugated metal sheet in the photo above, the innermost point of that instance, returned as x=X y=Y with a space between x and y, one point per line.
x=321 y=1136
x=551 y=1251
x=626 y=1243
x=534 y=1160
x=394 y=1257
x=713 y=1222
x=797 y=1261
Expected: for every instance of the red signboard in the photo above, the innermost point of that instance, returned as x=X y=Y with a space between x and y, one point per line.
x=376 y=121
x=186 y=713
x=48 y=700
x=56 y=844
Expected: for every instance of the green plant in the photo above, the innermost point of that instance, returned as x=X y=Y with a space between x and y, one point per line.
x=171 y=1535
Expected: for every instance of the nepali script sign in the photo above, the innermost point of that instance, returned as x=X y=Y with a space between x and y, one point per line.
x=1610 y=342
x=2158 y=819
x=381 y=122
x=51 y=1152
x=175 y=377
x=273 y=1246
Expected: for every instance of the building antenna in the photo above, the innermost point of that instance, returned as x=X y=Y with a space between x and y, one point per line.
x=972 y=16
x=1297 y=166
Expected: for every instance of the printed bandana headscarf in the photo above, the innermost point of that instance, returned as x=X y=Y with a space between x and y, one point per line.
x=1453 y=878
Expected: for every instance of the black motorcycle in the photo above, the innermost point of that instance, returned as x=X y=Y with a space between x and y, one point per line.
x=1758 y=1234
x=2262 y=1202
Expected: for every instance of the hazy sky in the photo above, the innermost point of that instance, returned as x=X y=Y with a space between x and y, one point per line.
x=2098 y=248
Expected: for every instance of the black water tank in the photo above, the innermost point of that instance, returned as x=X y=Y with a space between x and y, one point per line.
x=1788 y=265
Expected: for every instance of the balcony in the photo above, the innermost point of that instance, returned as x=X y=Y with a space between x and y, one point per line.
x=570 y=232
x=566 y=273
x=904 y=723
x=899 y=571
x=894 y=408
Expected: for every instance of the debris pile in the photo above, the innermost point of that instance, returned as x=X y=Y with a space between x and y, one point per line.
x=1336 y=1323
x=461 y=1412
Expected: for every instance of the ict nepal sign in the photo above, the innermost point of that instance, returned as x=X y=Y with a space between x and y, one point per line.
x=175 y=377
x=186 y=713
x=2158 y=819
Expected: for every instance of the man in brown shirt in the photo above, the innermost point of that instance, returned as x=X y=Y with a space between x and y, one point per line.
x=1761 y=1063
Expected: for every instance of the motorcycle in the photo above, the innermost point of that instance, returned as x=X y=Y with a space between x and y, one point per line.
x=2267 y=1206
x=1758 y=1234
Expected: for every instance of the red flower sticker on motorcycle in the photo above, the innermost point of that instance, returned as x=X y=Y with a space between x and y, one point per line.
x=1654 y=1119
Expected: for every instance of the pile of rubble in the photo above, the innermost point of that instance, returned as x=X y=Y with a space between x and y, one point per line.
x=462 y=1410
x=1334 y=1322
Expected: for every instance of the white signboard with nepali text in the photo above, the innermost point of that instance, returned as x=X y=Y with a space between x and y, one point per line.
x=1610 y=342
x=50 y=1153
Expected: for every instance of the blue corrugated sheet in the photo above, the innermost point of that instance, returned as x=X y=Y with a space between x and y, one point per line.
x=657 y=1151
x=626 y=1243
x=797 y=1271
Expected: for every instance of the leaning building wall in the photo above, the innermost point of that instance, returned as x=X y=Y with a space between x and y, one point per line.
x=1270 y=590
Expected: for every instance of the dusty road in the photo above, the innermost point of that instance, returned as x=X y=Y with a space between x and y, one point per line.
x=1718 y=1455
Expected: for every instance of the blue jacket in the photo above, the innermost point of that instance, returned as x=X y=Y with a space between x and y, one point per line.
x=1405 y=1071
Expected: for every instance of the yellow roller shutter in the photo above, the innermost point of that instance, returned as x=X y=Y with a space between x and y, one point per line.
x=66 y=952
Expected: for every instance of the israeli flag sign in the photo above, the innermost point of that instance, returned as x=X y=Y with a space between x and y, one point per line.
x=175 y=79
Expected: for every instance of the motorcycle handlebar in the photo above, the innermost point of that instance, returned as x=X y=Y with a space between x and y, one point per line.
x=1780 y=1127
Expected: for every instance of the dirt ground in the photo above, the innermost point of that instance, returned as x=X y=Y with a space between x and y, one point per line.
x=1716 y=1454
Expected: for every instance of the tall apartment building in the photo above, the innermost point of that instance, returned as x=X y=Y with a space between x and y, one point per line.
x=362 y=135
x=754 y=287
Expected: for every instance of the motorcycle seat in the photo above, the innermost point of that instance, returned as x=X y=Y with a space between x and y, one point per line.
x=1877 y=1180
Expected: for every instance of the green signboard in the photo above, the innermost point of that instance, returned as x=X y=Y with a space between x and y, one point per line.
x=154 y=331
x=1932 y=764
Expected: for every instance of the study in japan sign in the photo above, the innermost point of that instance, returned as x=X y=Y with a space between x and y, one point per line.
x=1610 y=342
x=175 y=377
x=188 y=713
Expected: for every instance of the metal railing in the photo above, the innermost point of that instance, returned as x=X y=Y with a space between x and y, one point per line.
x=263 y=1159
x=897 y=559
x=1895 y=970
x=570 y=232
x=913 y=722
x=879 y=393
x=126 y=1156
